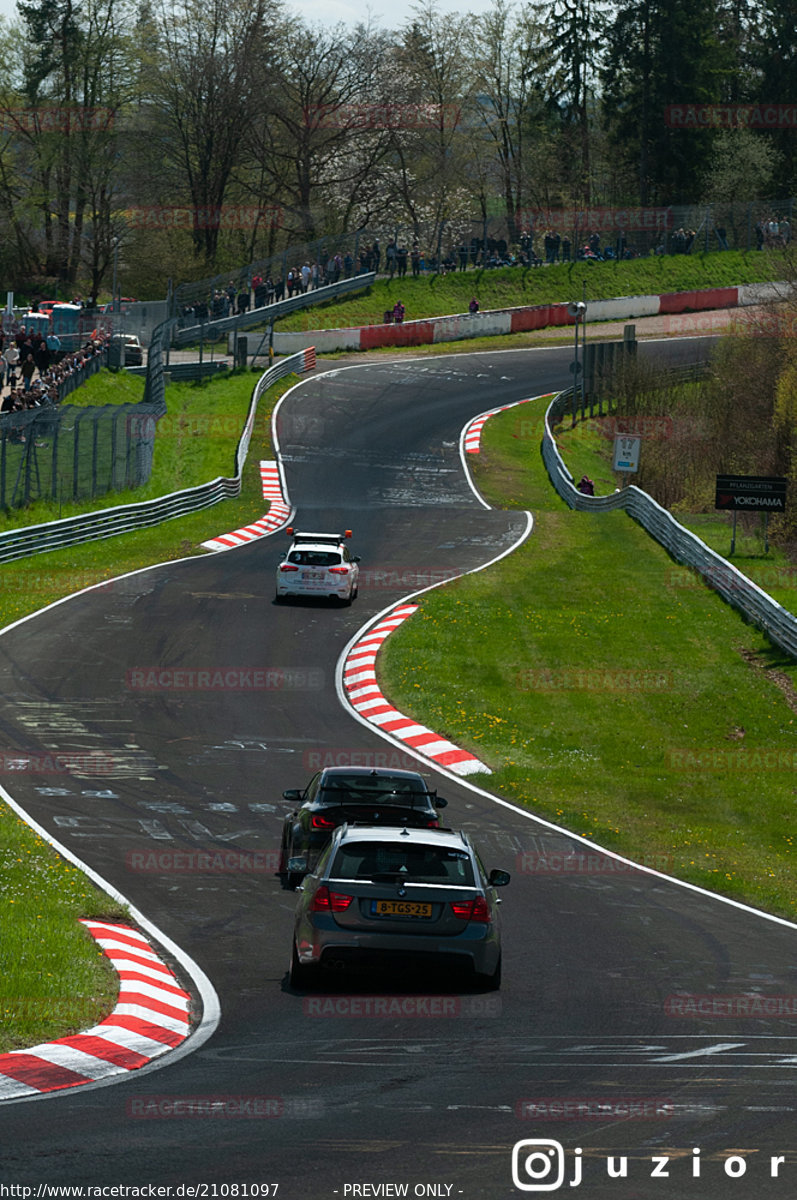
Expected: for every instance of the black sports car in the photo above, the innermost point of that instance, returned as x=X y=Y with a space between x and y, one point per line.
x=353 y=795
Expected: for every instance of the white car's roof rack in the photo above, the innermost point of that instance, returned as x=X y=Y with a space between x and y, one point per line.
x=303 y=536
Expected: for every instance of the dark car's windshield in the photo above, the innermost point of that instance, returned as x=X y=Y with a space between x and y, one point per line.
x=416 y=863
x=378 y=789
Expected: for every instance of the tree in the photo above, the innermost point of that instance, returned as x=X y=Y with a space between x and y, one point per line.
x=775 y=58
x=661 y=53
x=73 y=79
x=508 y=57
x=577 y=29
x=206 y=98
x=742 y=166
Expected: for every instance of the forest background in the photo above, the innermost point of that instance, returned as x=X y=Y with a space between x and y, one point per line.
x=179 y=140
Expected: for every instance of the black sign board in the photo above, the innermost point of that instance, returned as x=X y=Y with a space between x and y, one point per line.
x=750 y=492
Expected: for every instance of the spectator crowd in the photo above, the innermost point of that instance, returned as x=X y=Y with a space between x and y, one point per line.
x=34 y=370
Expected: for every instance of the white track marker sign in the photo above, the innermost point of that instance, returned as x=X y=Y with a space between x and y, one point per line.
x=626 y=453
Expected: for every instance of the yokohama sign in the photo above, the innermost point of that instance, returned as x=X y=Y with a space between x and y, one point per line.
x=751 y=492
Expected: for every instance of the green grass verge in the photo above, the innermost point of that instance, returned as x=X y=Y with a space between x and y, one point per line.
x=606 y=696
x=509 y=287
x=55 y=980
x=195 y=441
x=586 y=451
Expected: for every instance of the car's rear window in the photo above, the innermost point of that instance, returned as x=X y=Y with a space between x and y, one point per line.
x=414 y=863
x=314 y=558
x=378 y=789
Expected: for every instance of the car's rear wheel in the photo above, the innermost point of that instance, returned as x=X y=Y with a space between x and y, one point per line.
x=489 y=983
x=300 y=976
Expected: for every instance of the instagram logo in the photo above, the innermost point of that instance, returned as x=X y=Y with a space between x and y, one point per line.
x=538 y=1165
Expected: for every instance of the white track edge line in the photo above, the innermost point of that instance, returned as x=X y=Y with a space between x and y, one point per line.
x=211 y=1009
x=499 y=800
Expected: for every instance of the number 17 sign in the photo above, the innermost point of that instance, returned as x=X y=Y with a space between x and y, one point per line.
x=626 y=453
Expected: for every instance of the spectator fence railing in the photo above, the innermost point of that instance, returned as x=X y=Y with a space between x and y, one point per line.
x=110 y=522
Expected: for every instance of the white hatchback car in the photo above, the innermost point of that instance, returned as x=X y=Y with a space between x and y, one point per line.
x=318 y=564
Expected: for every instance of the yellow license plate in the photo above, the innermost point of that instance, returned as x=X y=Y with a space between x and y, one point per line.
x=400 y=908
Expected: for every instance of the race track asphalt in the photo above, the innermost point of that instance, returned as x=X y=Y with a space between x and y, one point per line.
x=430 y=1102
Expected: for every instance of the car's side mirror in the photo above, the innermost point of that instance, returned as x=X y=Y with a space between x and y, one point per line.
x=292 y=794
x=499 y=878
x=355 y=558
x=439 y=802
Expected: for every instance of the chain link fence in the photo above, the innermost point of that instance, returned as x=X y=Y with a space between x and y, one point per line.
x=65 y=453
x=70 y=453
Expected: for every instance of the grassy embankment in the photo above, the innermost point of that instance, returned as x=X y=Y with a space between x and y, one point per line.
x=55 y=979
x=509 y=287
x=588 y=452
x=604 y=694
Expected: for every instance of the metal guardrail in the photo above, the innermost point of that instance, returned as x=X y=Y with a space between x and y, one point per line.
x=71 y=531
x=269 y=313
x=728 y=581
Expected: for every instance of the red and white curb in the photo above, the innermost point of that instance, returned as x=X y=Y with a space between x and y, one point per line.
x=359 y=680
x=151 y=1017
x=471 y=438
x=277 y=515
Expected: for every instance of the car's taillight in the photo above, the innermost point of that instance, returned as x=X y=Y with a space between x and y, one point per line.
x=433 y=823
x=338 y=570
x=471 y=910
x=322 y=823
x=288 y=567
x=326 y=901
